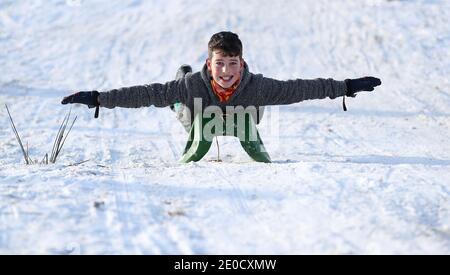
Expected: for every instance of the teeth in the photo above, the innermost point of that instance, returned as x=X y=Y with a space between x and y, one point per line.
x=227 y=78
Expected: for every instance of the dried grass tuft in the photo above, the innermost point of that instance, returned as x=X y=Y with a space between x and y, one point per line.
x=60 y=139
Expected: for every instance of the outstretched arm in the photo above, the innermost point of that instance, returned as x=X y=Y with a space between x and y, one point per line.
x=159 y=95
x=277 y=92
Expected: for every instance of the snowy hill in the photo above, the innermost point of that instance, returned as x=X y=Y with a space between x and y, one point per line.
x=371 y=180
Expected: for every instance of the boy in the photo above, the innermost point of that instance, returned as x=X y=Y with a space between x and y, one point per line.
x=225 y=81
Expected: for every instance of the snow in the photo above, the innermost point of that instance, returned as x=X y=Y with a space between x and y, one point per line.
x=373 y=180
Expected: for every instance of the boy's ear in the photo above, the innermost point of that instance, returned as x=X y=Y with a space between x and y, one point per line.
x=208 y=64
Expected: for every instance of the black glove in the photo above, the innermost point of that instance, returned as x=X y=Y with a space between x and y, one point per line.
x=367 y=83
x=89 y=98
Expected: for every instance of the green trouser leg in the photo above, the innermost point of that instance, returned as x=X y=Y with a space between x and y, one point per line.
x=256 y=150
x=251 y=141
x=197 y=146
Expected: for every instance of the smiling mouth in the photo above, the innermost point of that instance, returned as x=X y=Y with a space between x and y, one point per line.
x=226 y=79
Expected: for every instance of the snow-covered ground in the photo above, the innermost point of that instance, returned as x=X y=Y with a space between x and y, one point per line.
x=371 y=180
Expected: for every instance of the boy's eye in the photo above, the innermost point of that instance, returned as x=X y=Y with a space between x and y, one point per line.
x=233 y=63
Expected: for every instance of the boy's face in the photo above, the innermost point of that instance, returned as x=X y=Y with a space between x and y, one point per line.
x=225 y=70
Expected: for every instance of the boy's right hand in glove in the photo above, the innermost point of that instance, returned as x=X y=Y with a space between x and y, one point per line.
x=89 y=98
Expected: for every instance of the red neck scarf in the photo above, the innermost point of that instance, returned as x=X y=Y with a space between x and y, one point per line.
x=221 y=93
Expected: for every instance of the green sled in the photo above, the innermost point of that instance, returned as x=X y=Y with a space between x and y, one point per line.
x=198 y=146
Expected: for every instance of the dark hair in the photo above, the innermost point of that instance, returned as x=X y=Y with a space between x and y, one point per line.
x=227 y=43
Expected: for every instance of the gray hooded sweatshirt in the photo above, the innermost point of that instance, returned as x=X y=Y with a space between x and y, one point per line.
x=253 y=90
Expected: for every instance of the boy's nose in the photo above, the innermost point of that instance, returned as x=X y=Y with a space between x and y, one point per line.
x=225 y=68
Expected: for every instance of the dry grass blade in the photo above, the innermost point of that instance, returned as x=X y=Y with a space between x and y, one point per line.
x=25 y=154
x=58 y=138
x=64 y=140
x=30 y=161
x=45 y=159
x=61 y=138
x=57 y=145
